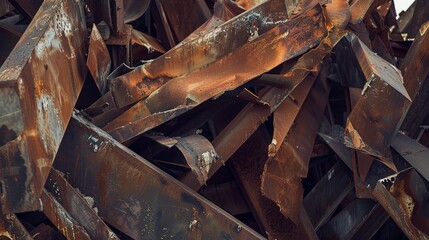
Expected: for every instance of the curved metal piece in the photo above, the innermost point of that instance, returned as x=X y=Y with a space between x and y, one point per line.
x=134 y=9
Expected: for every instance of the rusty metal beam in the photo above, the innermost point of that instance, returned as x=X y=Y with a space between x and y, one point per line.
x=188 y=91
x=39 y=85
x=404 y=196
x=61 y=219
x=253 y=115
x=134 y=196
x=77 y=207
x=196 y=53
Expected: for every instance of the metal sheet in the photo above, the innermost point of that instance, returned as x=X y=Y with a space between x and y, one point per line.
x=98 y=61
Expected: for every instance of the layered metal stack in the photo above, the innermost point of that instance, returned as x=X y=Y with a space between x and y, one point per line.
x=227 y=119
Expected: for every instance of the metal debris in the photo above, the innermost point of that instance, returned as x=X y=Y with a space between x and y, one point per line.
x=213 y=119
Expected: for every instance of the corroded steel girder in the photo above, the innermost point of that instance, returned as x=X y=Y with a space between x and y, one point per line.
x=136 y=197
x=39 y=85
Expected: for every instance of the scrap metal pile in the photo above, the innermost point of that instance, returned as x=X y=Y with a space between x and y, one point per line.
x=226 y=119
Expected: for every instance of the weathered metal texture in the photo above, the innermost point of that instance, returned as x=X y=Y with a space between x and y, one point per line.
x=414 y=18
x=98 y=60
x=190 y=90
x=338 y=12
x=362 y=8
x=27 y=8
x=413 y=152
x=253 y=115
x=39 y=85
x=416 y=76
x=404 y=196
x=284 y=115
x=351 y=220
x=10 y=33
x=144 y=47
x=382 y=106
x=61 y=219
x=77 y=207
x=248 y=165
x=322 y=201
x=185 y=16
x=134 y=196
x=199 y=154
x=12 y=228
x=282 y=174
x=196 y=53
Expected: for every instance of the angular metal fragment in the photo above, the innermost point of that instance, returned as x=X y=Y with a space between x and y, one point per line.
x=338 y=12
x=382 y=106
x=248 y=164
x=282 y=174
x=134 y=196
x=405 y=197
x=362 y=8
x=413 y=152
x=39 y=85
x=199 y=154
x=98 y=61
